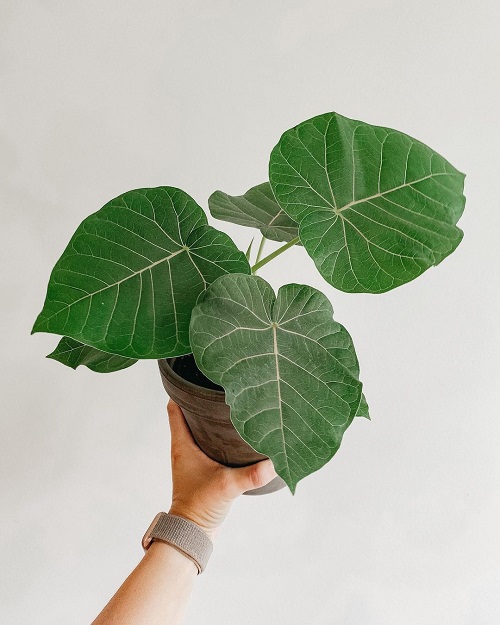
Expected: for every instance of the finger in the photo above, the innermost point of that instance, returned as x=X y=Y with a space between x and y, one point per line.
x=179 y=429
x=254 y=476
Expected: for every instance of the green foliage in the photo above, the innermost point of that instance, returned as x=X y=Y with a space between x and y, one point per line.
x=363 y=409
x=375 y=207
x=73 y=354
x=147 y=277
x=289 y=370
x=257 y=208
x=132 y=272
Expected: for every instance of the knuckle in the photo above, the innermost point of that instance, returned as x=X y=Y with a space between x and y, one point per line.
x=255 y=476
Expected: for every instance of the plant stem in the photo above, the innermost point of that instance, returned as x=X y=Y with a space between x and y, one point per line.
x=260 y=250
x=270 y=257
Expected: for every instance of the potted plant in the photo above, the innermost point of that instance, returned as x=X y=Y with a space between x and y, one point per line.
x=257 y=373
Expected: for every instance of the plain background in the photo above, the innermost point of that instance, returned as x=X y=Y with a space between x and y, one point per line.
x=99 y=97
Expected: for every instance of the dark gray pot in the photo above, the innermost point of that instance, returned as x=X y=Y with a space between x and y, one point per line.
x=207 y=415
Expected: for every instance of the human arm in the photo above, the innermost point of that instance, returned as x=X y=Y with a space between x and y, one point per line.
x=158 y=590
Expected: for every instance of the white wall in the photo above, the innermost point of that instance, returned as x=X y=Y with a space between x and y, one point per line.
x=99 y=97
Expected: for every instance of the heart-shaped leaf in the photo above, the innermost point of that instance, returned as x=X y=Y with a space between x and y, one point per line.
x=257 y=208
x=73 y=354
x=132 y=272
x=283 y=362
x=375 y=207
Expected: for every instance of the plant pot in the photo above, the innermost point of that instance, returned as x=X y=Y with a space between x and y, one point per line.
x=207 y=415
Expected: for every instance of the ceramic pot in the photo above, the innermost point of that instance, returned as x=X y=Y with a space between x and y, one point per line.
x=207 y=415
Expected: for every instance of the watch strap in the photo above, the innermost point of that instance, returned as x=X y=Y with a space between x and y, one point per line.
x=182 y=534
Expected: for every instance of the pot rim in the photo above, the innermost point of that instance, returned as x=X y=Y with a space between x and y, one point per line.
x=166 y=370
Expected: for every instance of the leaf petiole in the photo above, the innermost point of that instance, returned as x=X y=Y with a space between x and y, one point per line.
x=261 y=249
x=273 y=255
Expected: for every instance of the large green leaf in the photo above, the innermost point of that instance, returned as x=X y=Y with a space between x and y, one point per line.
x=73 y=354
x=283 y=362
x=375 y=207
x=132 y=272
x=257 y=208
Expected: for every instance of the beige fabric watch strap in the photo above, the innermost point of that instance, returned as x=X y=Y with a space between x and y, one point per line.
x=182 y=534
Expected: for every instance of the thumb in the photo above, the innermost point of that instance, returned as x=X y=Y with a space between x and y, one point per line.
x=179 y=429
x=254 y=476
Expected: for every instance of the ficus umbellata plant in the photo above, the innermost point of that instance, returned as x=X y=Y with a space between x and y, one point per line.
x=146 y=277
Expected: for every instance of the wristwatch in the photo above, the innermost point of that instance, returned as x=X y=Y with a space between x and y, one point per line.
x=184 y=535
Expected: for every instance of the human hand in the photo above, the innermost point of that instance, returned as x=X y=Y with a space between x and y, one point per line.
x=203 y=490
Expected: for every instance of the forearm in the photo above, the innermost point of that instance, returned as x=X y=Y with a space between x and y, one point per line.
x=156 y=592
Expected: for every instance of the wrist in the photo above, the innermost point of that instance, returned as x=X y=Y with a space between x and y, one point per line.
x=183 y=534
x=201 y=520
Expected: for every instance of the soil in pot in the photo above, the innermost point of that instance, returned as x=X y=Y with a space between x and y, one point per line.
x=186 y=367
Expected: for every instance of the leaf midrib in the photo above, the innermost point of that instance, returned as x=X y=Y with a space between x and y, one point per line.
x=401 y=186
x=116 y=284
x=280 y=404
